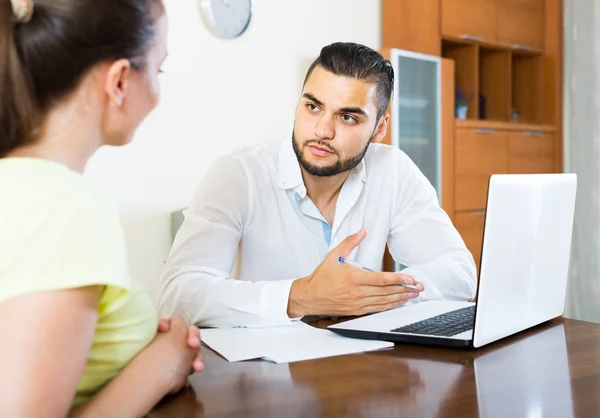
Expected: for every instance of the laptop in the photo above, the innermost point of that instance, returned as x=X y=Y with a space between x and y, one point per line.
x=523 y=271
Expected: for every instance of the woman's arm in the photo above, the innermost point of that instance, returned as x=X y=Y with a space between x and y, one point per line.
x=44 y=343
x=161 y=368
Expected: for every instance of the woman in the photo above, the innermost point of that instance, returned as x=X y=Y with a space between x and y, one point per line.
x=76 y=337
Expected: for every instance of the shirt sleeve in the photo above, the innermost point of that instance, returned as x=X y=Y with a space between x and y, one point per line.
x=423 y=238
x=70 y=242
x=196 y=282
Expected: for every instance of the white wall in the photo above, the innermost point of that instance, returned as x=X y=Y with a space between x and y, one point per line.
x=582 y=152
x=218 y=94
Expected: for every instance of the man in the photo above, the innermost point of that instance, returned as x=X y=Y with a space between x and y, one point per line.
x=284 y=214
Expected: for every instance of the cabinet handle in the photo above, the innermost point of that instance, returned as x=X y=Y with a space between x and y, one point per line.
x=471 y=38
x=534 y=133
x=480 y=213
x=522 y=47
x=485 y=131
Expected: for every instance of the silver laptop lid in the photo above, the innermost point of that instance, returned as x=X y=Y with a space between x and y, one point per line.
x=525 y=255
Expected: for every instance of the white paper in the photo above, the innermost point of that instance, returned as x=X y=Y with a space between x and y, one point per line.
x=284 y=344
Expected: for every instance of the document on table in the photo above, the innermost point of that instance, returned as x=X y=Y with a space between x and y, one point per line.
x=284 y=344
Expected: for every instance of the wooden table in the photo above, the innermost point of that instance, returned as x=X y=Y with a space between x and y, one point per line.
x=552 y=370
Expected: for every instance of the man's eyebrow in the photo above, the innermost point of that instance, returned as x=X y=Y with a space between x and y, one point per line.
x=353 y=110
x=312 y=98
x=356 y=110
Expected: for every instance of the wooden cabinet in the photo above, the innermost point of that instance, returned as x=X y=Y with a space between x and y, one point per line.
x=518 y=23
x=470 y=226
x=531 y=152
x=507 y=53
x=521 y=23
x=479 y=154
x=483 y=152
x=411 y=25
x=507 y=58
x=469 y=19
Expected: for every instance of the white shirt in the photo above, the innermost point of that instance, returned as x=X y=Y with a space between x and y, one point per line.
x=251 y=230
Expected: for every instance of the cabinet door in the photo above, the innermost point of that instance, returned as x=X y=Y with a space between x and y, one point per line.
x=470 y=18
x=416 y=111
x=470 y=227
x=412 y=25
x=479 y=154
x=521 y=23
x=531 y=152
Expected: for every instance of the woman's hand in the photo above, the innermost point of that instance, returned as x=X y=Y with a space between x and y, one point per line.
x=193 y=341
x=176 y=352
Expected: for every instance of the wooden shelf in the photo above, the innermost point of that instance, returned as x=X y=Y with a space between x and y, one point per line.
x=526 y=88
x=495 y=84
x=507 y=126
x=499 y=81
x=517 y=49
x=466 y=61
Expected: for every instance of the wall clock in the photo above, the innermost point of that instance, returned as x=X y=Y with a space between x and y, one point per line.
x=226 y=18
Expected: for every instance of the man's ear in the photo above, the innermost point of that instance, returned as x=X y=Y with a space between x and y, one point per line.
x=117 y=81
x=381 y=129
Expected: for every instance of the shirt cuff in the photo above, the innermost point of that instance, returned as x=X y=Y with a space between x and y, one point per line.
x=275 y=301
x=430 y=292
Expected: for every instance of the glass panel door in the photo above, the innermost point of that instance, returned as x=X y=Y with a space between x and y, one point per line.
x=416 y=111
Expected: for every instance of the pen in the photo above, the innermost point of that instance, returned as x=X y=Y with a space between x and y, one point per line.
x=350 y=263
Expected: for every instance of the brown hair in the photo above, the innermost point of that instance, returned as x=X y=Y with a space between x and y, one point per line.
x=43 y=60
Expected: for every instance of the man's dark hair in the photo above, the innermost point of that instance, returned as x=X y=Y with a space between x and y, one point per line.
x=360 y=62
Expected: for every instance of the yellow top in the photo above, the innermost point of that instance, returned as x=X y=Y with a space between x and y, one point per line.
x=56 y=233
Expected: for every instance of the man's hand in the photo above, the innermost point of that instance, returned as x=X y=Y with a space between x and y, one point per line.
x=340 y=290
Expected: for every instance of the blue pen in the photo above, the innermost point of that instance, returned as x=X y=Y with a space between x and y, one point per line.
x=350 y=263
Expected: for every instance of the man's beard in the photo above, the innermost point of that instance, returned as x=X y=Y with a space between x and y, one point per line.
x=331 y=170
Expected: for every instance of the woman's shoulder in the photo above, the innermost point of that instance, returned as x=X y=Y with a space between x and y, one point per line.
x=39 y=185
x=57 y=231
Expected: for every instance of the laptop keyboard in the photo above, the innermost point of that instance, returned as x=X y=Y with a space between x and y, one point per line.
x=445 y=325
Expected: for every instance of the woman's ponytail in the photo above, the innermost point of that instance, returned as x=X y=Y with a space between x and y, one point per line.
x=17 y=108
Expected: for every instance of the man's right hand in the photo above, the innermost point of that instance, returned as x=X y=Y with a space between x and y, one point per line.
x=338 y=289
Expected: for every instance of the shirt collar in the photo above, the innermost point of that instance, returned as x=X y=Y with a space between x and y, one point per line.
x=289 y=175
x=361 y=170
